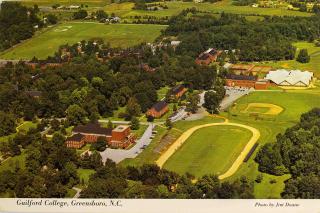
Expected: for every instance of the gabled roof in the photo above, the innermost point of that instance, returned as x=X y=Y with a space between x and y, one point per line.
x=175 y=90
x=76 y=137
x=292 y=77
x=92 y=128
x=159 y=106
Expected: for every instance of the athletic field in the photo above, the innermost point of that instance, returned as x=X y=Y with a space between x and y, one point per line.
x=118 y=35
x=210 y=150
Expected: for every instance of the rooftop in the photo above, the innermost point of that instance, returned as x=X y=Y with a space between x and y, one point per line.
x=242 y=77
x=177 y=89
x=120 y=128
x=159 y=106
x=92 y=128
x=291 y=77
x=76 y=137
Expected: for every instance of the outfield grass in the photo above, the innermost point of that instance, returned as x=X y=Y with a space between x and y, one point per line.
x=175 y=7
x=294 y=103
x=313 y=65
x=210 y=150
x=118 y=35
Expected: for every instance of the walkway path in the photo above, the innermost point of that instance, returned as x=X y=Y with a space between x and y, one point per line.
x=236 y=164
x=77 y=195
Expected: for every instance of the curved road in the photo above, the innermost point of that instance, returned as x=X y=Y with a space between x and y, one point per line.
x=236 y=164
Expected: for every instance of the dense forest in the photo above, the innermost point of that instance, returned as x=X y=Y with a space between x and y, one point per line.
x=267 y=39
x=17 y=23
x=71 y=91
x=296 y=152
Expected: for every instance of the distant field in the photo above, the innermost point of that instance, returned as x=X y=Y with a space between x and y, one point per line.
x=65 y=2
x=175 y=7
x=210 y=150
x=313 y=65
x=118 y=35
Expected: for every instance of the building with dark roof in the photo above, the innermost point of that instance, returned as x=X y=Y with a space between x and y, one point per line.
x=247 y=81
x=247 y=69
x=120 y=137
x=208 y=56
x=34 y=93
x=158 y=109
x=75 y=141
x=178 y=90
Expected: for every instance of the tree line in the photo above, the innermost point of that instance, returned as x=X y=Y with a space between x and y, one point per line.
x=296 y=152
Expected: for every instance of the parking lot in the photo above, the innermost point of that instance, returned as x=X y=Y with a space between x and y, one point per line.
x=232 y=94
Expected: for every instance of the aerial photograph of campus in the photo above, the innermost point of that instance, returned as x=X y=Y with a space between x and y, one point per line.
x=181 y=99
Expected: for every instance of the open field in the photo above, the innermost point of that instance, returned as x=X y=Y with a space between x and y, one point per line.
x=175 y=7
x=65 y=2
x=118 y=35
x=210 y=150
x=313 y=65
x=294 y=103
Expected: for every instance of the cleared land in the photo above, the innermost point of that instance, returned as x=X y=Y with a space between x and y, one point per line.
x=294 y=103
x=201 y=147
x=313 y=65
x=118 y=35
x=125 y=9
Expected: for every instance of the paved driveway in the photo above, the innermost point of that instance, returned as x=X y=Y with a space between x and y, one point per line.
x=118 y=155
x=232 y=94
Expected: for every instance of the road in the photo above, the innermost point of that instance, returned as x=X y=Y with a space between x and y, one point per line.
x=117 y=155
x=236 y=164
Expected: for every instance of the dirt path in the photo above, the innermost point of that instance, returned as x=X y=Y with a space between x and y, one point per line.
x=236 y=164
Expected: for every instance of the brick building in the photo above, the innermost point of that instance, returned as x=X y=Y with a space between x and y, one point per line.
x=159 y=109
x=247 y=81
x=208 y=56
x=178 y=91
x=120 y=137
x=76 y=141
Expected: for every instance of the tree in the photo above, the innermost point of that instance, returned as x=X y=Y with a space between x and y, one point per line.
x=134 y=123
x=7 y=123
x=168 y=123
x=193 y=101
x=81 y=14
x=55 y=124
x=133 y=108
x=175 y=108
x=211 y=102
x=101 y=14
x=75 y=114
x=303 y=56
x=52 y=19
x=100 y=145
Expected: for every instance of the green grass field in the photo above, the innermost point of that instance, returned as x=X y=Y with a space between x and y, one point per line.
x=210 y=150
x=47 y=42
x=85 y=174
x=65 y=2
x=175 y=7
x=313 y=65
x=294 y=102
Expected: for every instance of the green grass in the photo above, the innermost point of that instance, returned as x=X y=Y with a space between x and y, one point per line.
x=71 y=193
x=148 y=155
x=65 y=2
x=294 y=102
x=139 y=132
x=312 y=66
x=118 y=35
x=25 y=126
x=210 y=150
x=85 y=174
x=175 y=7
x=10 y=164
x=258 y=109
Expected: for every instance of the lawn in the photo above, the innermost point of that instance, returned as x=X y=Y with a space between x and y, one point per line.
x=65 y=2
x=175 y=7
x=294 y=103
x=118 y=35
x=11 y=163
x=85 y=174
x=313 y=65
x=210 y=150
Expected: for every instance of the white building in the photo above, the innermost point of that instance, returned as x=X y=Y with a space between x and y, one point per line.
x=296 y=78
